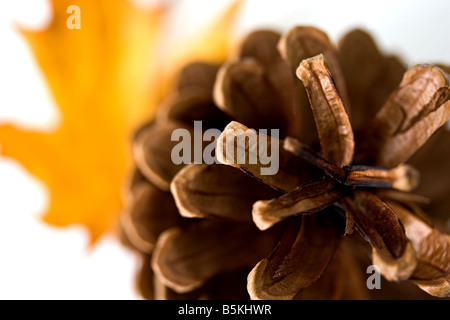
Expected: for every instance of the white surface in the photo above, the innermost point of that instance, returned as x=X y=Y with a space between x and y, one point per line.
x=40 y=262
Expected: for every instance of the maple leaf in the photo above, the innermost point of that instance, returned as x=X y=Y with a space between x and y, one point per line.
x=105 y=78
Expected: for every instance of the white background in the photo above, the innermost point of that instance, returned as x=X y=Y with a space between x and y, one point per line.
x=42 y=262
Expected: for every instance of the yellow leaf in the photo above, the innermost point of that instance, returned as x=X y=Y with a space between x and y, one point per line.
x=105 y=78
x=212 y=44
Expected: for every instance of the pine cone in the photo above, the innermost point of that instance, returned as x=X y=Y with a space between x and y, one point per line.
x=228 y=231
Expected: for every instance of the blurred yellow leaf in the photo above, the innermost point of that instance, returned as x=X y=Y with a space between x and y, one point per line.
x=105 y=78
x=212 y=44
